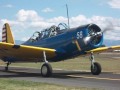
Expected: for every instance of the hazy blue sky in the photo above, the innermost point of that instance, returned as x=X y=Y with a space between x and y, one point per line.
x=27 y=16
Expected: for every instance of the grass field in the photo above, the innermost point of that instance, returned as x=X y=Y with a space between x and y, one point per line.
x=109 y=63
x=9 y=84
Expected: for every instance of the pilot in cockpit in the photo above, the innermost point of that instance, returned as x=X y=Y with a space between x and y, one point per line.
x=53 y=31
x=58 y=30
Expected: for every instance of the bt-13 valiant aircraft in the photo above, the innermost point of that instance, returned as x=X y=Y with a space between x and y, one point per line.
x=54 y=44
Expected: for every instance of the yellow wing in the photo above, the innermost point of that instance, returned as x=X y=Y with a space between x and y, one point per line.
x=103 y=49
x=24 y=52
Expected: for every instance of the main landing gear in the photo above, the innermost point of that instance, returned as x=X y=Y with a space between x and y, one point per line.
x=95 y=66
x=46 y=69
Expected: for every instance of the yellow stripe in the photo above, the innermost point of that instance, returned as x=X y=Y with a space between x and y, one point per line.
x=94 y=78
x=78 y=46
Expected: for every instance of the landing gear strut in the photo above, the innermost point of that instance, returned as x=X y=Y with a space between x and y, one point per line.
x=95 y=66
x=46 y=69
x=6 y=68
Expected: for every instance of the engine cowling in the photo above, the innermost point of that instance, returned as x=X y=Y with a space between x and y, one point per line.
x=96 y=35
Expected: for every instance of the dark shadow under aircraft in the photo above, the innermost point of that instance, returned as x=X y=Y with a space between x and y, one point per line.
x=54 y=44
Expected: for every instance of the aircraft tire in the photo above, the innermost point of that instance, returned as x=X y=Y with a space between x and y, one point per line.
x=46 y=70
x=97 y=68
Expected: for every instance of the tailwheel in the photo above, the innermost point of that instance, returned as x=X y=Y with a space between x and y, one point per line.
x=46 y=70
x=6 y=68
x=96 y=68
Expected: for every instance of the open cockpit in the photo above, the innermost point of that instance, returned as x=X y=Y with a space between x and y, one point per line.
x=49 y=32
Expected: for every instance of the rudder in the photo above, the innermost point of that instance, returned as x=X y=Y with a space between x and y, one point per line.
x=7 y=34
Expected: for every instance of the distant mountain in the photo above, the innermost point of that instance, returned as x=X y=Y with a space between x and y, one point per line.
x=106 y=42
x=18 y=42
x=111 y=42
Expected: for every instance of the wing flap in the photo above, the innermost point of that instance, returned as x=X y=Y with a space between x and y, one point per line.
x=23 y=51
x=103 y=49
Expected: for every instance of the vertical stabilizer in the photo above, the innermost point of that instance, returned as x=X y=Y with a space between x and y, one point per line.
x=7 y=34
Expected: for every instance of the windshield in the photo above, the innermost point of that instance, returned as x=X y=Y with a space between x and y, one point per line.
x=49 y=32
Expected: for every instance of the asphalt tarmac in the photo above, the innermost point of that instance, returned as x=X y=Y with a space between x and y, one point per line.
x=106 y=80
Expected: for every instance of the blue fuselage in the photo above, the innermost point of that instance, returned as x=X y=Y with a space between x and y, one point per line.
x=70 y=43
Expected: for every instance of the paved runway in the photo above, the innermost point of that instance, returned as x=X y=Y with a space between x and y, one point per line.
x=107 y=81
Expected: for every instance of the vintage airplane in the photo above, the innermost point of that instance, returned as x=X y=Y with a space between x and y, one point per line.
x=54 y=44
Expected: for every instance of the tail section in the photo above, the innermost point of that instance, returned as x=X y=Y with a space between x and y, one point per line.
x=7 y=34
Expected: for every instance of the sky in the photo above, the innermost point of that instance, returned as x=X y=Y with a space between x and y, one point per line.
x=27 y=16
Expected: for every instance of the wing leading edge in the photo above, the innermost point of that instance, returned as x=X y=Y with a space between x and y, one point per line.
x=23 y=51
x=103 y=49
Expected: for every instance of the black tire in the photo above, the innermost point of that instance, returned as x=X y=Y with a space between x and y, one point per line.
x=96 y=70
x=46 y=70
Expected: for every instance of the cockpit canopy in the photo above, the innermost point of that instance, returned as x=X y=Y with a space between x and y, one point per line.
x=49 y=32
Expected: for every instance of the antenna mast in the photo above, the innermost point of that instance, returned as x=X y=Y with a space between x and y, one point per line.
x=68 y=15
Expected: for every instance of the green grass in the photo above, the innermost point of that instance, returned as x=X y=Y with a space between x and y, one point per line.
x=9 y=84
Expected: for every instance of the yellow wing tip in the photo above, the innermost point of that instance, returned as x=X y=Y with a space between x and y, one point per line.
x=102 y=49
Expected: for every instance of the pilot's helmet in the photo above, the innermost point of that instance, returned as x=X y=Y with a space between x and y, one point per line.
x=57 y=28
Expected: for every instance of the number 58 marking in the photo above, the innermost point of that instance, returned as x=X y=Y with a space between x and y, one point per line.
x=79 y=35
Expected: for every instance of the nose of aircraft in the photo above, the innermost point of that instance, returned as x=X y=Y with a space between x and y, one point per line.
x=95 y=36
